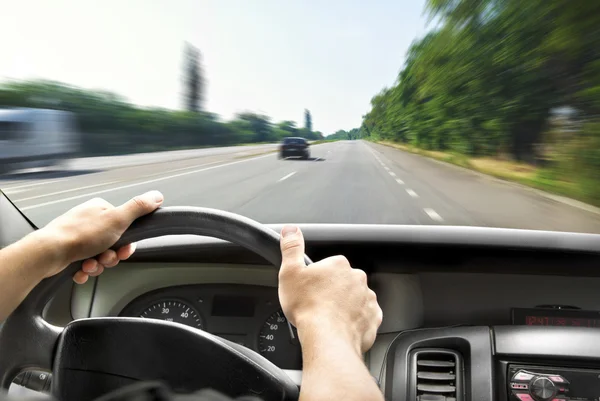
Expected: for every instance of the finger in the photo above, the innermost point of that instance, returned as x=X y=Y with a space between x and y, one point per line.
x=139 y=206
x=292 y=247
x=98 y=271
x=80 y=277
x=126 y=251
x=89 y=266
x=362 y=276
x=337 y=261
x=108 y=258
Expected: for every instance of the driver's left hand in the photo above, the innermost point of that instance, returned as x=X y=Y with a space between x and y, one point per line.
x=88 y=231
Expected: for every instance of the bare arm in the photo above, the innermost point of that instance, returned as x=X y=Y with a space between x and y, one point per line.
x=86 y=231
x=333 y=370
x=22 y=266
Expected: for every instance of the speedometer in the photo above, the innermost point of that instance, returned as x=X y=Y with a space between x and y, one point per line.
x=278 y=342
x=173 y=311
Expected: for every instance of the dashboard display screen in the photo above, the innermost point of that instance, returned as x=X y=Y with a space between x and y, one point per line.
x=227 y=305
x=555 y=317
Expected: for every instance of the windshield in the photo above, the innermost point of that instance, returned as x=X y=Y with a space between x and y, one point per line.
x=427 y=112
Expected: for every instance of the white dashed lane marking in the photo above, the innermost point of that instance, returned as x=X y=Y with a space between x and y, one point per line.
x=399 y=181
x=286 y=177
x=392 y=173
x=433 y=214
x=412 y=193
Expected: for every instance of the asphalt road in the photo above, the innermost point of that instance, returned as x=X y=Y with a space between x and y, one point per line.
x=344 y=182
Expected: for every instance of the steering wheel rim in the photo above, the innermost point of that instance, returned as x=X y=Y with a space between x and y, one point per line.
x=27 y=341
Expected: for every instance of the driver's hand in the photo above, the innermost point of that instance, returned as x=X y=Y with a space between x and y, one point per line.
x=88 y=231
x=327 y=295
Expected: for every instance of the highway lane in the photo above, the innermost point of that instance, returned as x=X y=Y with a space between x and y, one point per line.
x=345 y=182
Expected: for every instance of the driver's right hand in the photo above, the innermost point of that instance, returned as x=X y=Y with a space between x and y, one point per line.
x=327 y=295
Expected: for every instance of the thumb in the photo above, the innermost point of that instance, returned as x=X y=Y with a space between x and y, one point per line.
x=292 y=247
x=140 y=206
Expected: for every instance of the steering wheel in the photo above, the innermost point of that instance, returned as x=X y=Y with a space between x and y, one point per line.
x=90 y=357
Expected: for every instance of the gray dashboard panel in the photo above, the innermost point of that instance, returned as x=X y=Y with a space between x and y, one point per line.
x=401 y=300
x=486 y=299
x=117 y=287
x=579 y=343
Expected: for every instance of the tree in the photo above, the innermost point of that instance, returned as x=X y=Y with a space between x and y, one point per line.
x=289 y=127
x=260 y=125
x=484 y=82
x=307 y=120
x=193 y=82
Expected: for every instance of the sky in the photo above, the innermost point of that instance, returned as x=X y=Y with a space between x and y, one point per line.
x=268 y=56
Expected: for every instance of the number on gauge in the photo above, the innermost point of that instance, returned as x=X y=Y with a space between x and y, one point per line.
x=173 y=311
x=278 y=343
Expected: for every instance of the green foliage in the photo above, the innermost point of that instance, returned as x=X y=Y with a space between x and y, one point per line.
x=345 y=135
x=485 y=82
x=111 y=125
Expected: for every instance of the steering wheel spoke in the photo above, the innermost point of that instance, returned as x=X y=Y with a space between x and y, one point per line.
x=26 y=339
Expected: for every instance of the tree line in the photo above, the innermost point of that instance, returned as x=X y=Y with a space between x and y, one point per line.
x=345 y=135
x=494 y=78
x=109 y=124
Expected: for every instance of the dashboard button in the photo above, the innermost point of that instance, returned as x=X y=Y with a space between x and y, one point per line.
x=522 y=376
x=557 y=379
x=524 y=397
x=37 y=380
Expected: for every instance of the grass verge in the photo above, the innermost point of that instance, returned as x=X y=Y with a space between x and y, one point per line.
x=522 y=173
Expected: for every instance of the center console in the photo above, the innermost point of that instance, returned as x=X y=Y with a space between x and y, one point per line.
x=504 y=363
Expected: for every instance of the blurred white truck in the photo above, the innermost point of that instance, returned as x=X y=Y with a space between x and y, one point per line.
x=32 y=138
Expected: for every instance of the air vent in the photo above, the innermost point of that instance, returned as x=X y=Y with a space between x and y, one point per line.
x=436 y=375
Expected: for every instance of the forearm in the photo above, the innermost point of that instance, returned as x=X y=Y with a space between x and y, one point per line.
x=22 y=266
x=333 y=369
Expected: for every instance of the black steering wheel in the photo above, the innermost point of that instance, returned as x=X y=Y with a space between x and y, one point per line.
x=90 y=357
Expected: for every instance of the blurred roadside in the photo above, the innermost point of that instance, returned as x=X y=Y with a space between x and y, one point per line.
x=45 y=123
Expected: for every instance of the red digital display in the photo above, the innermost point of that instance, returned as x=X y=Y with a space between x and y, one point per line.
x=555 y=317
x=561 y=321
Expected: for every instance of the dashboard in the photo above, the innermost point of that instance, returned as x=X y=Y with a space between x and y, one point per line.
x=247 y=315
x=473 y=307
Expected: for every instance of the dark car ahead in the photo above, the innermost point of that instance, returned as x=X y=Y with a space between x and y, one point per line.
x=293 y=146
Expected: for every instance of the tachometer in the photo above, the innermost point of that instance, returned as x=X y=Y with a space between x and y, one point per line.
x=279 y=344
x=173 y=311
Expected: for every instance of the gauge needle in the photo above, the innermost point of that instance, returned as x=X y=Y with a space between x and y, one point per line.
x=293 y=337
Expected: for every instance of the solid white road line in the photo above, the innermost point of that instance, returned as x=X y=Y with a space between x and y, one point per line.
x=136 y=184
x=399 y=181
x=286 y=177
x=433 y=214
x=65 y=191
x=412 y=193
x=9 y=190
x=392 y=173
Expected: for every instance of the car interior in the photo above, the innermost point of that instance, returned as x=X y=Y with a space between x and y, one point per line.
x=469 y=313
